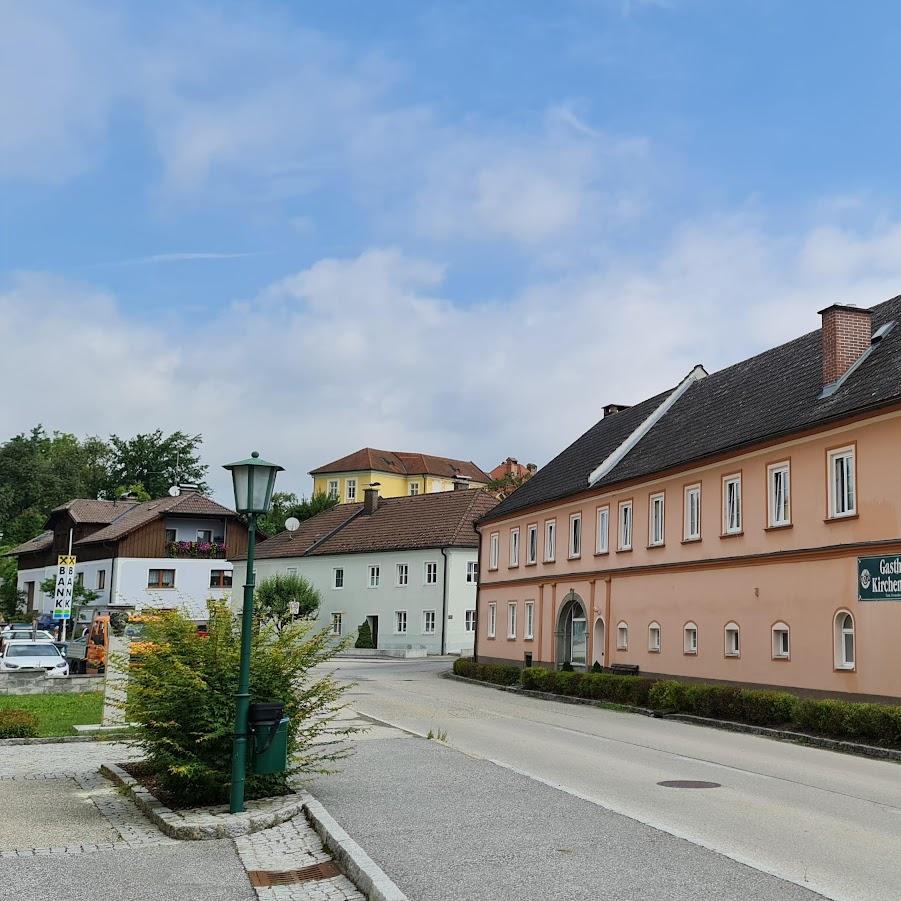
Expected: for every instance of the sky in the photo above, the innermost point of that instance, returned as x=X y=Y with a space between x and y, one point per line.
x=457 y=228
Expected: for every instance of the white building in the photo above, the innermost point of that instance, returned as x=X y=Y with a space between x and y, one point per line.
x=166 y=553
x=408 y=566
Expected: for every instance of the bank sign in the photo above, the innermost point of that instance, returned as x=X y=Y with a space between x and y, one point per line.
x=879 y=578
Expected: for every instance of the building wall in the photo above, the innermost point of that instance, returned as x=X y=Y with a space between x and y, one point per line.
x=800 y=575
x=356 y=601
x=390 y=484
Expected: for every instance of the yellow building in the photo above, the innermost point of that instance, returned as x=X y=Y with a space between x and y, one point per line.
x=398 y=474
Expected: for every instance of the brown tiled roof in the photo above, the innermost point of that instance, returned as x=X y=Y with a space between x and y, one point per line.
x=404 y=464
x=39 y=543
x=445 y=519
x=90 y=510
x=139 y=514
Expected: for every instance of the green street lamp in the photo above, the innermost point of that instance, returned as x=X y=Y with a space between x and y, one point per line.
x=254 y=480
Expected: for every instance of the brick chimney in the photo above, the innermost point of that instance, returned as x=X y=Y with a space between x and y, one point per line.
x=846 y=333
x=370 y=500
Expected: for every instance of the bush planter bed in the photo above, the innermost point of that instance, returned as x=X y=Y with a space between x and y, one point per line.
x=849 y=724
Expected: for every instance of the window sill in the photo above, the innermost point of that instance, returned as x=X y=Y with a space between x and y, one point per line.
x=602 y=553
x=655 y=547
x=732 y=656
x=653 y=650
x=552 y=560
x=845 y=669
x=491 y=637
x=732 y=534
x=160 y=588
x=844 y=518
x=691 y=540
x=782 y=658
x=511 y=638
x=529 y=638
x=513 y=566
x=689 y=653
x=624 y=550
x=785 y=525
x=533 y=563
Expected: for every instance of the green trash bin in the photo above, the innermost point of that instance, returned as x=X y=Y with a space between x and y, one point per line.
x=269 y=738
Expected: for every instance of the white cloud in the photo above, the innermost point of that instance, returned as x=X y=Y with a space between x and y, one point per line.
x=370 y=350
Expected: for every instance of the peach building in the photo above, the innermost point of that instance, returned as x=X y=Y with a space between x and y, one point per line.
x=743 y=527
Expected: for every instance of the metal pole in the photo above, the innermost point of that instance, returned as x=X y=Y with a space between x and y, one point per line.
x=73 y=587
x=242 y=698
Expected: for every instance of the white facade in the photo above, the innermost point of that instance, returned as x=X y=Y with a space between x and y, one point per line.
x=407 y=616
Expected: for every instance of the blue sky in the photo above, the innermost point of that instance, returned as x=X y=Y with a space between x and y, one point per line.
x=458 y=228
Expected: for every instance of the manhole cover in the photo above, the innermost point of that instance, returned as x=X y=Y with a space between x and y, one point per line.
x=266 y=878
x=688 y=783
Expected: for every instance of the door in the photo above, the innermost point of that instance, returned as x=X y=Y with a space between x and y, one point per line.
x=374 y=627
x=598 y=641
x=579 y=641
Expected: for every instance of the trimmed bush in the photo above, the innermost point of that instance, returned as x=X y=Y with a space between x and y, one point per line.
x=498 y=673
x=364 y=636
x=767 y=708
x=15 y=723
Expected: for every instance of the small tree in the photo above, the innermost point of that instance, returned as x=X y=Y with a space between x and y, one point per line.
x=11 y=598
x=364 y=636
x=280 y=599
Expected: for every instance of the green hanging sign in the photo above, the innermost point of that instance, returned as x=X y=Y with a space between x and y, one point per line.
x=879 y=578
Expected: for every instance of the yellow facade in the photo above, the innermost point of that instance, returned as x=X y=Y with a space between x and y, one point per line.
x=349 y=486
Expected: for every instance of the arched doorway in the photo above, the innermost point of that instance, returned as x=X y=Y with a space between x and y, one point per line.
x=597 y=650
x=572 y=632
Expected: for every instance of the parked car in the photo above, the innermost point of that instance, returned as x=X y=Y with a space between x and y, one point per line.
x=45 y=655
x=23 y=634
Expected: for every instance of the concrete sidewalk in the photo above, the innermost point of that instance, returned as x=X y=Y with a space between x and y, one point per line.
x=447 y=826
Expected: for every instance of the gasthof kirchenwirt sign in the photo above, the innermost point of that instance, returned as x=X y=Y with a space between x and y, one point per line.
x=879 y=578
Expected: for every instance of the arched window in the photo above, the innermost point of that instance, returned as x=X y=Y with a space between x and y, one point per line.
x=689 y=638
x=733 y=640
x=622 y=636
x=781 y=644
x=654 y=637
x=844 y=640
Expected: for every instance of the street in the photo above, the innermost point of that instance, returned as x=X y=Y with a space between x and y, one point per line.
x=828 y=822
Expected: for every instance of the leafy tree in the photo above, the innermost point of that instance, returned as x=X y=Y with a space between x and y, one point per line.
x=507 y=484
x=276 y=597
x=364 y=636
x=137 y=491
x=11 y=599
x=318 y=503
x=285 y=504
x=81 y=596
x=157 y=462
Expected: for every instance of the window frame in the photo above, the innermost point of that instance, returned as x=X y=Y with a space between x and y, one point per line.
x=469 y=621
x=337 y=620
x=201 y=532
x=528 y=624
x=414 y=489
x=350 y=490
x=622 y=636
x=833 y=454
x=733 y=628
x=173 y=533
x=531 y=544
x=494 y=545
x=575 y=535
x=780 y=466
x=397 y=622
x=689 y=491
x=159 y=585
x=732 y=478
x=101 y=579
x=653 y=626
x=374 y=569
x=425 y=572
x=335 y=571
x=425 y=622
x=401 y=575
x=841 y=662
x=690 y=639
x=511 y=620
x=223 y=575
x=622 y=506
x=780 y=627
x=472 y=572
x=550 y=540
x=655 y=501
x=492 y=620
x=602 y=532
x=513 y=549
x=333 y=489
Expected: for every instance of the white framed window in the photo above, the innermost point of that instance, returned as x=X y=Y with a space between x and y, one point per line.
x=625 y=526
x=493 y=544
x=622 y=636
x=690 y=639
x=550 y=540
x=375 y=575
x=575 y=535
x=333 y=489
x=414 y=488
x=337 y=623
x=530 y=620
x=492 y=620
x=844 y=641
x=733 y=640
x=778 y=476
x=428 y=622
x=514 y=547
x=291 y=570
x=350 y=490
x=532 y=544
x=781 y=645
x=205 y=535
x=402 y=575
x=656 y=519
x=691 y=526
x=431 y=573
x=732 y=504
x=654 y=637
x=602 y=536
x=470 y=621
x=842 y=483
x=338 y=580
x=511 y=619
x=472 y=571
x=400 y=622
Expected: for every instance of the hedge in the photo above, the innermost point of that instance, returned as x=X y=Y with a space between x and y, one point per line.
x=16 y=723
x=851 y=720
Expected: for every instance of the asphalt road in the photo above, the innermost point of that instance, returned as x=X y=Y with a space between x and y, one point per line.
x=825 y=821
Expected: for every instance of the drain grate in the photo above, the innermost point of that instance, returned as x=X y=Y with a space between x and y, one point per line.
x=267 y=878
x=688 y=783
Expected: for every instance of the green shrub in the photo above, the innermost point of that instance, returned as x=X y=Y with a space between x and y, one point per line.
x=498 y=673
x=666 y=695
x=767 y=708
x=181 y=694
x=566 y=667
x=364 y=636
x=596 y=667
x=536 y=678
x=15 y=723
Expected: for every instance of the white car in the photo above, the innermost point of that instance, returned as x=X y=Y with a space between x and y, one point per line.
x=45 y=655
x=20 y=634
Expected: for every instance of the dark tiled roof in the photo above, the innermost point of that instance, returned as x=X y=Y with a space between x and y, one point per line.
x=191 y=504
x=445 y=519
x=90 y=510
x=767 y=396
x=405 y=464
x=39 y=543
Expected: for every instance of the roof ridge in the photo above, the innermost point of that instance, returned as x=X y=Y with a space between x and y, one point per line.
x=468 y=509
x=341 y=525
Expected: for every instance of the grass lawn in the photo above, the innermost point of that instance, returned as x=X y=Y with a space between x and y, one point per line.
x=57 y=714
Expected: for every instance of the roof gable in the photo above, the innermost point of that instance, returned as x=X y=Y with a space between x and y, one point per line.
x=403 y=463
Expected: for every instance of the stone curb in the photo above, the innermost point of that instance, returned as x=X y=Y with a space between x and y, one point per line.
x=815 y=741
x=64 y=739
x=360 y=868
x=204 y=827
